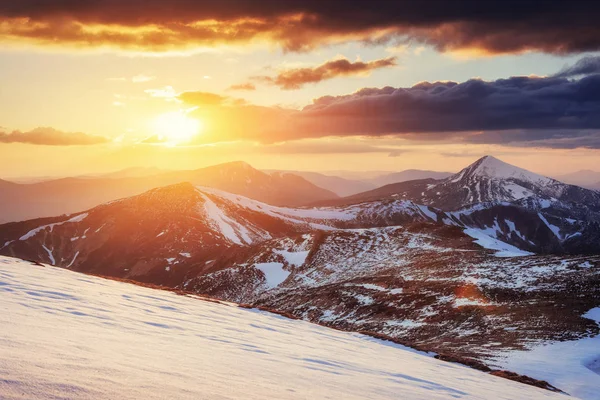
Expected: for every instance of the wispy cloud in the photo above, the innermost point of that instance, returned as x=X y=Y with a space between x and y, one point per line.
x=243 y=86
x=142 y=78
x=52 y=137
x=295 y=78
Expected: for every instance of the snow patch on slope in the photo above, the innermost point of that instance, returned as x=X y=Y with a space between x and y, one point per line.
x=553 y=228
x=503 y=249
x=574 y=366
x=295 y=258
x=273 y=272
x=33 y=232
x=227 y=226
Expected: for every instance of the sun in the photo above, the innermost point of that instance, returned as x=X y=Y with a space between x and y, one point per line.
x=176 y=127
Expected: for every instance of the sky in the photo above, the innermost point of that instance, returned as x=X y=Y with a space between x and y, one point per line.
x=92 y=86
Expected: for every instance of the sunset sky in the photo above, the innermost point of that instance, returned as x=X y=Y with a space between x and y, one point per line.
x=93 y=86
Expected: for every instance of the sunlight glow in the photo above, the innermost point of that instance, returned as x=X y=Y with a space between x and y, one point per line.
x=176 y=127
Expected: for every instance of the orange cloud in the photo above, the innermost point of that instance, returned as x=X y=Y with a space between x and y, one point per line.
x=243 y=86
x=52 y=137
x=158 y=25
x=295 y=78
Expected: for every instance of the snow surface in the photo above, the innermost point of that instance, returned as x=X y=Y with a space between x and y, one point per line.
x=228 y=227
x=295 y=258
x=274 y=273
x=35 y=231
x=72 y=336
x=572 y=366
x=494 y=168
x=555 y=229
x=323 y=213
x=487 y=242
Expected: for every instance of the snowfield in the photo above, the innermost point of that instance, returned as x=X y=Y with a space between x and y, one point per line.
x=72 y=336
x=574 y=366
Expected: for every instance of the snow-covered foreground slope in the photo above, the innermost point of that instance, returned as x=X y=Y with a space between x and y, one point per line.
x=66 y=335
x=572 y=365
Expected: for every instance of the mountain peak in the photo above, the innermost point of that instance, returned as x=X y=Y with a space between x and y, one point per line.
x=492 y=167
x=237 y=165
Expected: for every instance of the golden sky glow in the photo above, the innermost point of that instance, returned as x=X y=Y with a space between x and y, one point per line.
x=176 y=127
x=98 y=89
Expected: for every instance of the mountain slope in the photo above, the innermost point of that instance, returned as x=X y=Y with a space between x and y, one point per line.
x=486 y=180
x=344 y=186
x=408 y=175
x=338 y=185
x=524 y=209
x=197 y=229
x=424 y=277
x=69 y=195
x=153 y=344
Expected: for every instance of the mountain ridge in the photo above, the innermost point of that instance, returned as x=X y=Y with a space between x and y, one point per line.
x=69 y=195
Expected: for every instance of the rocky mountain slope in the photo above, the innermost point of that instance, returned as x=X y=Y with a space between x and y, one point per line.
x=488 y=180
x=532 y=212
x=69 y=195
x=426 y=277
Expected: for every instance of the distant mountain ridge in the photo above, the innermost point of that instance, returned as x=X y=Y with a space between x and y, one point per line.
x=69 y=195
x=584 y=178
x=346 y=186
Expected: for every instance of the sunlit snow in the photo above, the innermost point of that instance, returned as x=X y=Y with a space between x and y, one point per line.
x=71 y=336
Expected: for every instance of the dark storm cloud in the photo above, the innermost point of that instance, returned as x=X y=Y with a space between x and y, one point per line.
x=549 y=112
x=506 y=26
x=475 y=105
x=51 y=137
x=586 y=66
x=558 y=139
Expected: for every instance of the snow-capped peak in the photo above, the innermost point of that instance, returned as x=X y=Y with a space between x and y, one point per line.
x=494 y=168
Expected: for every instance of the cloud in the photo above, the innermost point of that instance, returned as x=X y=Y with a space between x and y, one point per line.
x=202 y=98
x=154 y=139
x=321 y=146
x=586 y=66
x=295 y=78
x=52 y=137
x=558 y=139
x=156 y=25
x=518 y=111
x=243 y=86
x=167 y=93
x=141 y=78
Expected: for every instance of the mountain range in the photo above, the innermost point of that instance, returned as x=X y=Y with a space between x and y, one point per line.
x=585 y=178
x=490 y=260
x=69 y=195
x=347 y=183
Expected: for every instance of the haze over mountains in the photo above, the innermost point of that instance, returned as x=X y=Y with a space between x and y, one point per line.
x=42 y=197
x=477 y=266
x=347 y=183
x=585 y=178
x=69 y=195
